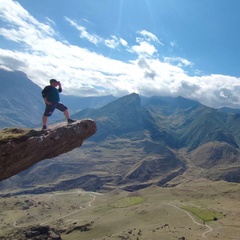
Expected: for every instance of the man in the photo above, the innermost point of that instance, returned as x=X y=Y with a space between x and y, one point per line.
x=52 y=100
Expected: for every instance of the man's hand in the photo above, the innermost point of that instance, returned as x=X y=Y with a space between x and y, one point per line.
x=59 y=87
x=46 y=101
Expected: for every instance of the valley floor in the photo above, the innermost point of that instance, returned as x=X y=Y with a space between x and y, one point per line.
x=195 y=210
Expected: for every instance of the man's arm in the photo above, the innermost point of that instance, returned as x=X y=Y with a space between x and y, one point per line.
x=59 y=87
x=46 y=101
x=44 y=95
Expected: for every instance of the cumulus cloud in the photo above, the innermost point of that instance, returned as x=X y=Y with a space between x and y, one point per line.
x=144 y=48
x=42 y=53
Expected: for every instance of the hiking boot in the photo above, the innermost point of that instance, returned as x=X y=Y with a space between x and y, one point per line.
x=70 y=121
x=44 y=127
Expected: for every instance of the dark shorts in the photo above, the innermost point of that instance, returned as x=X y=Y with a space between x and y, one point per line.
x=50 y=108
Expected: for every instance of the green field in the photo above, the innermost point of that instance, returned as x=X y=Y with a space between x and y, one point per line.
x=204 y=214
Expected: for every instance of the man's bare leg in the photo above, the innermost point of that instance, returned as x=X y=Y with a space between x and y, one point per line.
x=67 y=117
x=66 y=114
x=44 y=121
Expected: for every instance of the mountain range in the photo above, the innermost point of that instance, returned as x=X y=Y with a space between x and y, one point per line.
x=21 y=102
x=139 y=142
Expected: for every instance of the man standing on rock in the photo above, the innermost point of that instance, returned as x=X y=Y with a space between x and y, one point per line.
x=52 y=100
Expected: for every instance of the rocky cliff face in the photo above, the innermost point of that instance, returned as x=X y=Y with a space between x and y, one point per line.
x=22 y=148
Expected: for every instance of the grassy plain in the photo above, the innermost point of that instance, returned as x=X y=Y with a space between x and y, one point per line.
x=127 y=202
x=153 y=213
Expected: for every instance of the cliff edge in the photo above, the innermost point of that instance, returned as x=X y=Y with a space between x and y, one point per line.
x=22 y=148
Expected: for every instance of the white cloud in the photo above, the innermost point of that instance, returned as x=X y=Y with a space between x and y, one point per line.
x=114 y=42
x=172 y=44
x=84 y=34
x=144 y=48
x=146 y=44
x=181 y=62
x=148 y=36
x=50 y=21
x=123 y=42
x=42 y=55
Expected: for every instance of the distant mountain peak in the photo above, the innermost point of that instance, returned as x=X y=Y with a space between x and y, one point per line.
x=129 y=101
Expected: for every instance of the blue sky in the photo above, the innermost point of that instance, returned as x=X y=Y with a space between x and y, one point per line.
x=152 y=47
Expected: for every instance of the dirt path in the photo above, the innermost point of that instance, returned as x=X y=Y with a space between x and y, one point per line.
x=93 y=194
x=210 y=229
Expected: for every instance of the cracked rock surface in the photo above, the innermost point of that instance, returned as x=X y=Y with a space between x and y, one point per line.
x=21 y=148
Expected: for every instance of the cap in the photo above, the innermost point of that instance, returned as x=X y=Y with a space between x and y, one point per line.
x=52 y=81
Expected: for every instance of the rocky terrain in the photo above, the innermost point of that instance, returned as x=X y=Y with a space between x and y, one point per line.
x=21 y=148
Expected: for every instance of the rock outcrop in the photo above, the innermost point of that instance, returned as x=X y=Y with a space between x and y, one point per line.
x=34 y=232
x=21 y=148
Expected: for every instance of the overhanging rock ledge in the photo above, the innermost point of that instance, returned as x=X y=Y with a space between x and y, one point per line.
x=22 y=150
